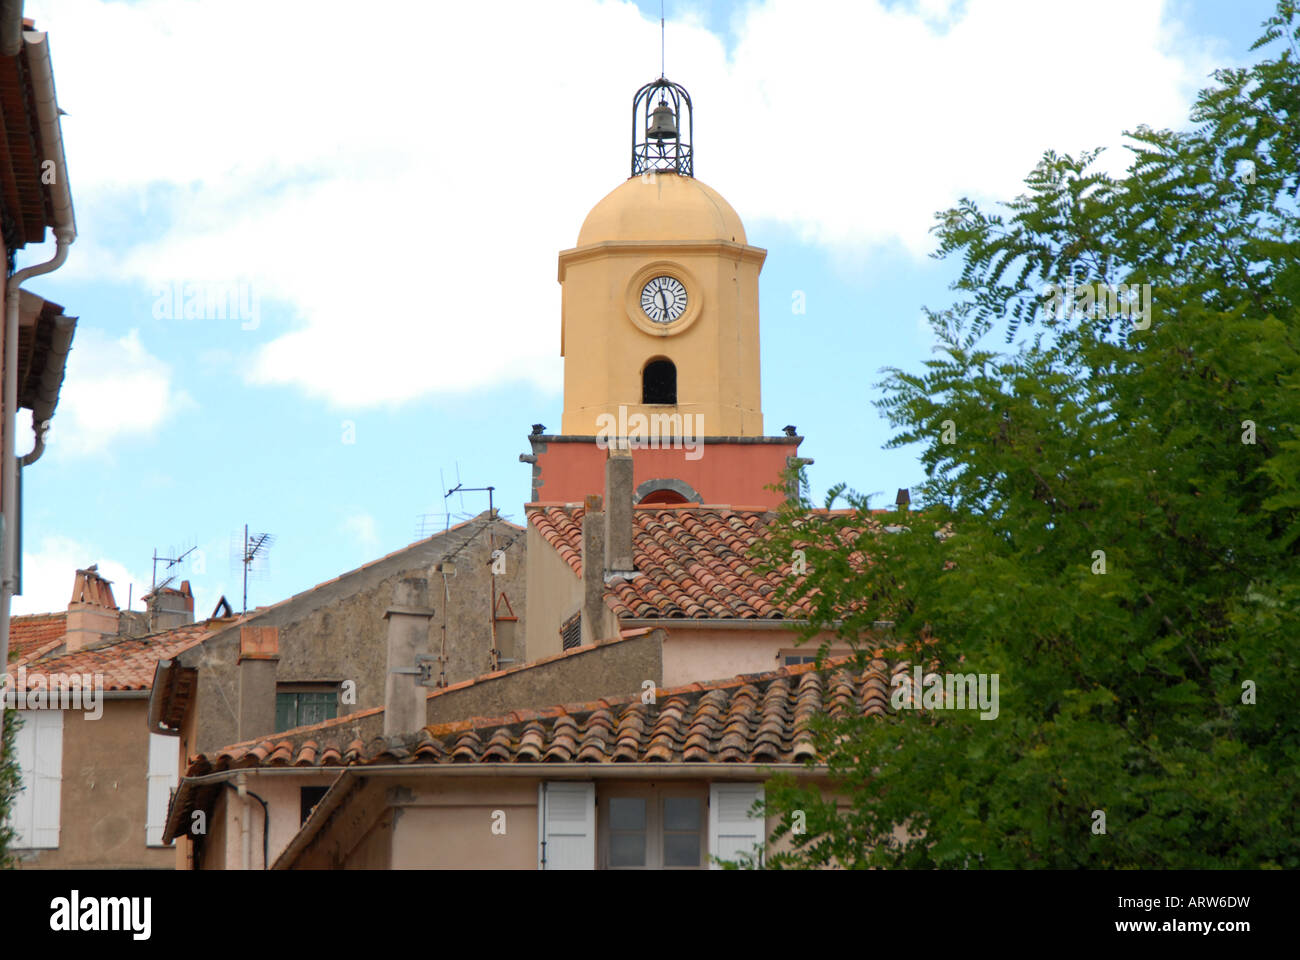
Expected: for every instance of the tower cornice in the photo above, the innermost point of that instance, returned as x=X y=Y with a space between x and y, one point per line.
x=740 y=252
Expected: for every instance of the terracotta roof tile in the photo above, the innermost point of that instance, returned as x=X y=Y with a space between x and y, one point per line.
x=760 y=718
x=126 y=664
x=693 y=562
x=33 y=631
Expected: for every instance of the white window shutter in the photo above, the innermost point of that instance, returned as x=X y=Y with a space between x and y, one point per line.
x=567 y=826
x=49 y=777
x=22 y=815
x=38 y=748
x=732 y=831
x=164 y=769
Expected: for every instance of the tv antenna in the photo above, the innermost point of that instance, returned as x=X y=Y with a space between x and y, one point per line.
x=254 y=554
x=426 y=523
x=171 y=562
x=494 y=655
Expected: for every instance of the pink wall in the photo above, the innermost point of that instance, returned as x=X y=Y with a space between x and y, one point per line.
x=724 y=473
x=700 y=654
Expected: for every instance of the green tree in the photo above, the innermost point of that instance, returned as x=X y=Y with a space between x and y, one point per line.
x=10 y=783
x=1109 y=522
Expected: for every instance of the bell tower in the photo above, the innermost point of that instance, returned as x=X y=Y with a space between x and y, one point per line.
x=659 y=330
x=660 y=295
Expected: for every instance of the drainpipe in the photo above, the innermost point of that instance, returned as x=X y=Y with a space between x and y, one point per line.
x=37 y=51
x=245 y=811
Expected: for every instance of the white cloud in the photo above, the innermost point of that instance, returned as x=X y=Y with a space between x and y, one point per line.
x=361 y=527
x=49 y=573
x=397 y=187
x=114 y=389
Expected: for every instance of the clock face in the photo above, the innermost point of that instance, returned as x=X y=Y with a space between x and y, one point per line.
x=663 y=299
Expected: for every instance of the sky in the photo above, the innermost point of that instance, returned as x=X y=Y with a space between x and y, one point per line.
x=370 y=209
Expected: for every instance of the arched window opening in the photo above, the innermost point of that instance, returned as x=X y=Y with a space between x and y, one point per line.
x=666 y=497
x=659 y=382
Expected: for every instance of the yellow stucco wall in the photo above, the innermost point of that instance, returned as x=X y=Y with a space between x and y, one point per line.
x=662 y=225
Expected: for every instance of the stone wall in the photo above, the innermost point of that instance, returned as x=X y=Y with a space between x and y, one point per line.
x=336 y=631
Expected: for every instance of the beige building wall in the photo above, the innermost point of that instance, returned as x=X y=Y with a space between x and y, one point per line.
x=224 y=848
x=554 y=595
x=464 y=824
x=699 y=654
x=104 y=795
x=446 y=823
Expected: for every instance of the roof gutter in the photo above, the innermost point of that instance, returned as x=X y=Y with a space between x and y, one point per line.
x=687 y=623
x=48 y=391
x=37 y=49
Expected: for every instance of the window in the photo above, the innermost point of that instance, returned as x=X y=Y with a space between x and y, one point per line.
x=792 y=658
x=302 y=704
x=566 y=822
x=733 y=833
x=38 y=750
x=646 y=825
x=164 y=771
x=659 y=382
x=571 y=632
x=308 y=797
x=652 y=828
x=663 y=496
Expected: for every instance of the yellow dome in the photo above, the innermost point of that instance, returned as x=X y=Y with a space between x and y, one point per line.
x=666 y=208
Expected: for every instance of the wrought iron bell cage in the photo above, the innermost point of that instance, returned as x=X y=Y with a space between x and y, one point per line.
x=663 y=129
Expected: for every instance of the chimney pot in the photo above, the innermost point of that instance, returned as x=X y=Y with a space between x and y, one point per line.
x=259 y=655
x=593 y=571
x=408 y=637
x=92 y=612
x=618 y=510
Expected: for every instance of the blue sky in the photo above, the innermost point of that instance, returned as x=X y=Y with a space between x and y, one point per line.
x=389 y=198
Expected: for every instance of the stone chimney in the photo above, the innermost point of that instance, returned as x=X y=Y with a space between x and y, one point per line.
x=259 y=654
x=92 y=612
x=408 y=637
x=593 y=569
x=170 y=607
x=618 y=511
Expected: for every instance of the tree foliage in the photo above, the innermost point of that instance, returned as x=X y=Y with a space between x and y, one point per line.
x=10 y=783
x=1171 y=448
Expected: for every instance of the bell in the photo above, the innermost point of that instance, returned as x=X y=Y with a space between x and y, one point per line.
x=663 y=126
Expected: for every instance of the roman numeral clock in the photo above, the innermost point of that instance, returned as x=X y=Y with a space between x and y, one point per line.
x=663 y=299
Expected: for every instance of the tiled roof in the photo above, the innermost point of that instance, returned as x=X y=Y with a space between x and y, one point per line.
x=126 y=664
x=693 y=562
x=29 y=633
x=757 y=718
